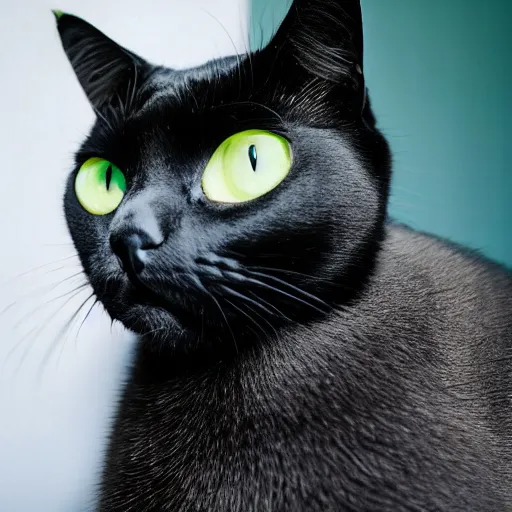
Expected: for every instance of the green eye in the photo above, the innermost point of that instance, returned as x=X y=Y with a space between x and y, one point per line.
x=99 y=186
x=246 y=166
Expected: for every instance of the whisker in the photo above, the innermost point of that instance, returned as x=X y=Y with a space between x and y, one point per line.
x=62 y=331
x=78 y=331
x=247 y=316
x=39 y=267
x=243 y=297
x=330 y=282
x=85 y=319
x=41 y=306
x=293 y=287
x=239 y=66
x=56 y=269
x=291 y=272
x=263 y=318
x=225 y=318
x=51 y=286
x=248 y=53
x=38 y=332
x=270 y=305
x=18 y=344
x=282 y=292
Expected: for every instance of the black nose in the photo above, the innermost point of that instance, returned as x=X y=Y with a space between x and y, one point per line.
x=131 y=248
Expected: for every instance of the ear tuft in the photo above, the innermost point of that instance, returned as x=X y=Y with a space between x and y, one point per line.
x=324 y=37
x=106 y=71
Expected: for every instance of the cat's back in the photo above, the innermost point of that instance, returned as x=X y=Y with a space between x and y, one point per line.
x=441 y=316
x=456 y=306
x=457 y=279
x=458 y=299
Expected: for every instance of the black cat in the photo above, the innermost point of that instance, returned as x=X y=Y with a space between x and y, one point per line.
x=297 y=351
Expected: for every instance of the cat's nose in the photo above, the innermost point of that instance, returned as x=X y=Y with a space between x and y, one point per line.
x=131 y=248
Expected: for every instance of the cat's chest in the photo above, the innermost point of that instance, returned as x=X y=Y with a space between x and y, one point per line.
x=245 y=441
x=215 y=444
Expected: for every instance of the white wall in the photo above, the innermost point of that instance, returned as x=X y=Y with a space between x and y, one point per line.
x=54 y=410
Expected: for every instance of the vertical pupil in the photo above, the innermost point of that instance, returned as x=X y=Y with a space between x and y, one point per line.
x=108 y=177
x=253 y=156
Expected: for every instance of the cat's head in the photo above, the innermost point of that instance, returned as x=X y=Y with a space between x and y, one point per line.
x=236 y=196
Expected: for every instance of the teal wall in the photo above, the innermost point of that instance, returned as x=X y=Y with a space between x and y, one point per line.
x=440 y=79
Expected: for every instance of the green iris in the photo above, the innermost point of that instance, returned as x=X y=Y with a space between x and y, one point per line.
x=247 y=165
x=99 y=186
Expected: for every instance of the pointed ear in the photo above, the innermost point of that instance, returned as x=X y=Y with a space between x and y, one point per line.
x=105 y=70
x=324 y=38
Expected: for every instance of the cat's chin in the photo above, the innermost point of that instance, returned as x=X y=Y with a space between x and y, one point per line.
x=150 y=314
x=150 y=321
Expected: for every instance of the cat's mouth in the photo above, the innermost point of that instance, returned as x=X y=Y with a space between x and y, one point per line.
x=152 y=304
x=146 y=296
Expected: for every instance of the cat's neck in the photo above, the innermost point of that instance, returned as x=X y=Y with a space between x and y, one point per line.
x=188 y=355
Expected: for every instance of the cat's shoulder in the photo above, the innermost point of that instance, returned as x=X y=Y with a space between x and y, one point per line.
x=411 y=260
x=430 y=250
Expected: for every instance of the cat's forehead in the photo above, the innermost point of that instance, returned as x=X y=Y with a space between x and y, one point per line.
x=166 y=84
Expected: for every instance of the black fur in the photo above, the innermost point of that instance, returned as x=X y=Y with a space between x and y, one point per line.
x=297 y=353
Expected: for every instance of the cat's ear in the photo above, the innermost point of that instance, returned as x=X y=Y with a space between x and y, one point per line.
x=106 y=71
x=324 y=38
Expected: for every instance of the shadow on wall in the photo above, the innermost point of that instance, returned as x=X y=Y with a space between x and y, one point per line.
x=439 y=75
